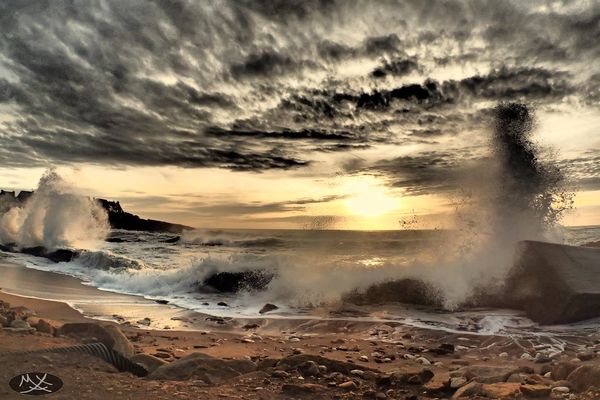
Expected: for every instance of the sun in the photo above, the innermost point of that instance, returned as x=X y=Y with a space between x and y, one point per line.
x=369 y=198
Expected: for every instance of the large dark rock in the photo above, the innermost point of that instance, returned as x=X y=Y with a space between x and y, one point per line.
x=233 y=282
x=61 y=255
x=554 y=283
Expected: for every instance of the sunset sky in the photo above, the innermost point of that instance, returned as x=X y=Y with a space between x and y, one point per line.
x=288 y=114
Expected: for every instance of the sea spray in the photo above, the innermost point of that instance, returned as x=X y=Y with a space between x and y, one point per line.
x=515 y=195
x=55 y=216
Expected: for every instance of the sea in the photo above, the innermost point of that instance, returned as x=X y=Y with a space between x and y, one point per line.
x=309 y=267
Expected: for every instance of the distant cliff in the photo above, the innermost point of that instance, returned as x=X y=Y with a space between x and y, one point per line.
x=118 y=218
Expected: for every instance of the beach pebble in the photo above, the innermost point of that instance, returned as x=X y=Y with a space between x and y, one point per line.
x=357 y=372
x=423 y=360
x=348 y=385
x=146 y=321
x=503 y=355
x=527 y=356
x=20 y=324
x=561 y=389
x=309 y=368
x=222 y=304
x=363 y=358
x=457 y=382
x=44 y=326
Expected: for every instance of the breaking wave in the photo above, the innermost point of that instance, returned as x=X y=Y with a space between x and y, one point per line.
x=55 y=216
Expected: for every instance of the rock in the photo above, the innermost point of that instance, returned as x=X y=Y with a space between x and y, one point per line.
x=303 y=389
x=222 y=304
x=250 y=326
x=20 y=312
x=233 y=282
x=293 y=361
x=20 y=324
x=535 y=390
x=348 y=385
x=3 y=321
x=309 y=368
x=268 y=307
x=487 y=374
x=363 y=358
x=527 y=356
x=357 y=372
x=493 y=390
x=280 y=374
x=443 y=349
x=517 y=378
x=110 y=335
x=503 y=355
x=146 y=321
x=150 y=363
x=586 y=356
x=204 y=367
x=584 y=377
x=162 y=354
x=554 y=283
x=162 y=301
x=560 y=389
x=562 y=370
x=458 y=382
x=423 y=360
x=44 y=326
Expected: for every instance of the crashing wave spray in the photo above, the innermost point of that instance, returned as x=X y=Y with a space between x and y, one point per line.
x=55 y=216
x=517 y=196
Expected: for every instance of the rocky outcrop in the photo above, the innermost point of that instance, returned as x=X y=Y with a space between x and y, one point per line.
x=554 y=283
x=119 y=219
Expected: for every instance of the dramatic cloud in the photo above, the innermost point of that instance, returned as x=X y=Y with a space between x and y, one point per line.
x=259 y=85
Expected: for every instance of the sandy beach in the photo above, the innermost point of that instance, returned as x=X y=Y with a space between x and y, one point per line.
x=354 y=359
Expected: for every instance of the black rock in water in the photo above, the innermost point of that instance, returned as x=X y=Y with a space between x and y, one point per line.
x=233 y=282
x=61 y=255
x=268 y=307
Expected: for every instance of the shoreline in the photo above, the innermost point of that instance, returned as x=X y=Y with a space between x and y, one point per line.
x=369 y=353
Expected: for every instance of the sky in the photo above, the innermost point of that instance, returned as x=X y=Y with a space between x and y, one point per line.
x=340 y=114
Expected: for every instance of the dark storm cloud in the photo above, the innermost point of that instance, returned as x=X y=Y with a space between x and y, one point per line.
x=398 y=67
x=255 y=85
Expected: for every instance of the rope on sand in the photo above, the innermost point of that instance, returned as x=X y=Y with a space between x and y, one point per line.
x=99 y=350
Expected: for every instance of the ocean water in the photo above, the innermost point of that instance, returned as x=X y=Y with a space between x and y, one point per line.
x=310 y=267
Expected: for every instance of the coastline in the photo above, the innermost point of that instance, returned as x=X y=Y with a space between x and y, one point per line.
x=377 y=350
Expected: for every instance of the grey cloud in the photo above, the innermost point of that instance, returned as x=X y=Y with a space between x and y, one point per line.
x=164 y=82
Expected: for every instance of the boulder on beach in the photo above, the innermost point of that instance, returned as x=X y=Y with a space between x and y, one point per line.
x=555 y=283
x=204 y=367
x=108 y=334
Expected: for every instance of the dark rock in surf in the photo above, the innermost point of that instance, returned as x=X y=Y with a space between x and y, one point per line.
x=268 y=307
x=162 y=301
x=114 y=240
x=61 y=255
x=554 y=283
x=233 y=282
x=410 y=291
x=172 y=240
